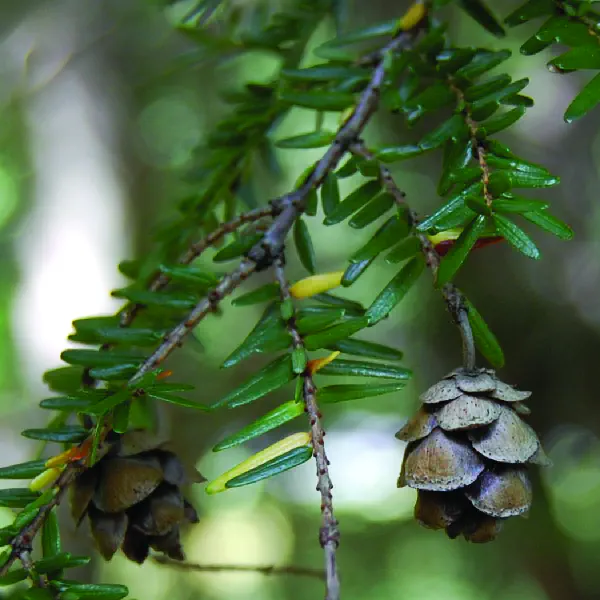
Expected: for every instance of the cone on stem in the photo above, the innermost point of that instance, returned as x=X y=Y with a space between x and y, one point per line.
x=132 y=497
x=467 y=454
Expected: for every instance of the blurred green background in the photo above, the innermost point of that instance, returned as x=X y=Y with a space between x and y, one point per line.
x=101 y=107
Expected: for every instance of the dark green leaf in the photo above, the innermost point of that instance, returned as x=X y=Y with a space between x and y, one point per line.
x=273 y=419
x=38 y=594
x=395 y=290
x=478 y=205
x=354 y=368
x=350 y=306
x=286 y=309
x=348 y=168
x=275 y=375
x=26 y=470
x=99 y=330
x=532 y=9
x=499 y=183
x=517 y=204
x=482 y=14
x=268 y=335
x=13 y=577
x=312 y=203
x=485 y=340
x=532 y=179
x=550 y=223
x=341 y=393
x=97 y=358
x=282 y=463
x=500 y=95
x=67 y=403
x=177 y=400
x=518 y=100
x=460 y=250
x=325 y=72
x=454 y=128
x=172 y=300
x=266 y=292
x=534 y=46
x=456 y=158
x=578 y=58
x=368 y=349
x=353 y=202
x=394 y=153
x=500 y=150
x=368 y=33
x=63 y=380
x=190 y=274
x=88 y=591
x=393 y=230
x=333 y=334
x=167 y=386
x=404 y=250
x=484 y=110
x=454 y=205
x=355 y=270
x=516 y=164
x=485 y=88
x=503 y=121
x=314 y=139
x=237 y=248
x=451 y=59
x=432 y=98
x=68 y=434
x=330 y=194
x=316 y=322
x=115 y=373
x=515 y=236
x=62 y=560
x=130 y=268
x=566 y=31
x=587 y=99
x=372 y=211
x=466 y=176
x=17 y=497
x=483 y=61
x=110 y=402
x=322 y=100
x=304 y=246
x=51 y=536
x=299 y=360
x=121 y=413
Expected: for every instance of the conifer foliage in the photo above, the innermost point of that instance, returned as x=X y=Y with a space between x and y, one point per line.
x=410 y=68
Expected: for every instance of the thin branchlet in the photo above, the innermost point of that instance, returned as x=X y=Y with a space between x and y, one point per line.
x=329 y=533
x=261 y=569
x=161 y=280
x=477 y=145
x=452 y=295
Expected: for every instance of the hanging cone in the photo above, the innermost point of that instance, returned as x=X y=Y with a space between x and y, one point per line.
x=467 y=455
x=133 y=499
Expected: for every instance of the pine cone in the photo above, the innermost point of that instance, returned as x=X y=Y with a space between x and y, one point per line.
x=132 y=497
x=467 y=453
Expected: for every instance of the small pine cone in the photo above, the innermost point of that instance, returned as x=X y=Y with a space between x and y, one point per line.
x=133 y=499
x=467 y=454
